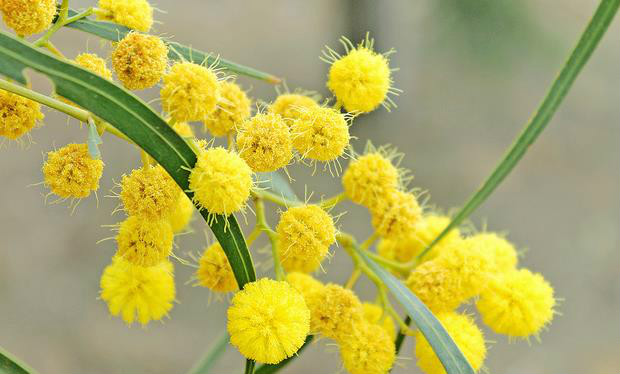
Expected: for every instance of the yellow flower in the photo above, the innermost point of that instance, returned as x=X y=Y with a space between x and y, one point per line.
x=500 y=252
x=71 y=172
x=467 y=336
x=140 y=60
x=472 y=265
x=374 y=314
x=290 y=106
x=221 y=181
x=233 y=108
x=181 y=213
x=19 y=115
x=396 y=215
x=184 y=129
x=369 y=178
x=190 y=92
x=135 y=14
x=215 y=272
x=518 y=303
x=305 y=233
x=149 y=192
x=370 y=350
x=265 y=142
x=320 y=133
x=28 y=17
x=136 y=292
x=406 y=248
x=144 y=242
x=361 y=79
x=268 y=321
x=94 y=63
x=338 y=311
x=438 y=287
x=309 y=287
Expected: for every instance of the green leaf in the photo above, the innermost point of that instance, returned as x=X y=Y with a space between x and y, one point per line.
x=593 y=33
x=214 y=353
x=114 y=32
x=278 y=184
x=269 y=369
x=136 y=120
x=12 y=365
x=449 y=354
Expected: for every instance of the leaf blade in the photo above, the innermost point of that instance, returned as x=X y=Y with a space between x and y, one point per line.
x=9 y=364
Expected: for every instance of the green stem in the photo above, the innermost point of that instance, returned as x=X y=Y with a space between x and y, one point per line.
x=333 y=201
x=249 y=366
x=261 y=222
x=60 y=22
x=211 y=356
x=269 y=196
x=400 y=338
x=585 y=46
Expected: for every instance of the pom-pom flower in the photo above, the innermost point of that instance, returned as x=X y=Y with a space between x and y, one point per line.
x=268 y=321
x=19 y=115
x=190 y=92
x=184 y=129
x=28 y=17
x=374 y=314
x=144 y=242
x=289 y=106
x=136 y=292
x=438 y=287
x=370 y=177
x=140 y=60
x=181 y=213
x=321 y=133
x=149 y=192
x=214 y=271
x=518 y=303
x=337 y=312
x=94 y=63
x=472 y=266
x=221 y=181
x=369 y=350
x=265 y=142
x=467 y=336
x=305 y=233
x=232 y=109
x=71 y=172
x=395 y=215
x=406 y=248
x=309 y=287
x=135 y=14
x=500 y=252
x=361 y=79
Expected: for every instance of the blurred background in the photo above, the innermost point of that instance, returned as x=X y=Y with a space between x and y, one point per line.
x=472 y=72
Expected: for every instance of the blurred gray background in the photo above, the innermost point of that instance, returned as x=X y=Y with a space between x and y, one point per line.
x=472 y=72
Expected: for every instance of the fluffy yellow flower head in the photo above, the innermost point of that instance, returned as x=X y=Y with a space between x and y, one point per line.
x=233 y=108
x=221 y=181
x=71 y=172
x=215 y=272
x=467 y=336
x=28 y=17
x=305 y=233
x=94 y=63
x=374 y=314
x=395 y=215
x=409 y=246
x=370 y=177
x=309 y=287
x=149 y=192
x=472 y=266
x=181 y=213
x=518 y=303
x=19 y=115
x=438 y=287
x=369 y=351
x=265 y=142
x=191 y=92
x=320 y=133
x=268 y=321
x=136 y=292
x=290 y=106
x=184 y=129
x=337 y=312
x=500 y=251
x=140 y=60
x=135 y=14
x=361 y=79
x=144 y=242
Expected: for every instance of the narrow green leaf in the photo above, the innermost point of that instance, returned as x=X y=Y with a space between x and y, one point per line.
x=9 y=364
x=270 y=369
x=448 y=352
x=206 y=363
x=278 y=184
x=131 y=116
x=114 y=32
x=587 y=43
